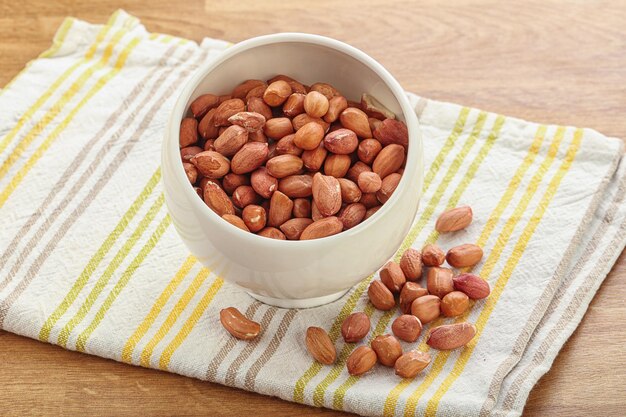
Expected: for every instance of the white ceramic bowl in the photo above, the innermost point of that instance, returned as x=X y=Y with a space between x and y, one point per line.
x=294 y=274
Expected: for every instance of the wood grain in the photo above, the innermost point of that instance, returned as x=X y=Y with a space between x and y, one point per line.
x=553 y=61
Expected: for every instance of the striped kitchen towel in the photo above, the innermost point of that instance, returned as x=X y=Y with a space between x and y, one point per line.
x=89 y=259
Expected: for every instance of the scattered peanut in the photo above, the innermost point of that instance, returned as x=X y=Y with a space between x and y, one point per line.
x=387 y=349
x=355 y=327
x=320 y=346
x=238 y=325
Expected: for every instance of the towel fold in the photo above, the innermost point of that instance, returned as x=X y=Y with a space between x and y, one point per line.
x=89 y=260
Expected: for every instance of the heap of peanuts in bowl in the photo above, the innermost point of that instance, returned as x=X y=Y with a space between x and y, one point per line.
x=284 y=160
x=446 y=294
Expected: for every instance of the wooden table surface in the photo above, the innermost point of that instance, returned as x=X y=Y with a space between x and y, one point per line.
x=550 y=61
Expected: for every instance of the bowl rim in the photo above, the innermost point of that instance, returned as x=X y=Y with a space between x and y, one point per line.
x=414 y=155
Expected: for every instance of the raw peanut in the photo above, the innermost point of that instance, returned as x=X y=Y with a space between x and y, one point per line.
x=250 y=157
x=257 y=105
x=225 y=97
x=201 y=105
x=350 y=192
x=244 y=195
x=410 y=291
x=327 y=226
x=380 y=296
x=392 y=132
x=407 y=327
x=400 y=171
x=411 y=264
x=451 y=336
x=388 y=186
x=280 y=209
x=454 y=304
x=238 y=325
x=369 y=200
x=229 y=142
x=221 y=130
x=278 y=127
x=296 y=186
x=206 y=127
x=454 y=219
x=188 y=132
x=392 y=276
x=301 y=208
x=277 y=93
x=231 y=181
x=355 y=171
x=374 y=123
x=472 y=285
x=355 y=104
x=191 y=172
x=352 y=215
x=293 y=228
x=326 y=194
x=263 y=183
x=217 y=200
x=432 y=255
x=368 y=150
x=387 y=349
x=309 y=136
x=314 y=159
x=355 y=327
x=302 y=119
x=315 y=104
x=374 y=108
x=371 y=211
x=272 y=149
x=464 y=255
x=388 y=160
x=242 y=90
x=208 y=145
x=294 y=105
x=211 y=164
x=426 y=308
x=235 y=221
x=205 y=180
x=355 y=120
x=187 y=153
x=250 y=121
x=361 y=360
x=257 y=136
x=411 y=363
x=198 y=191
x=257 y=92
x=226 y=109
x=369 y=182
x=254 y=217
x=337 y=165
x=282 y=166
x=266 y=205
x=336 y=105
x=326 y=89
x=295 y=85
x=272 y=233
x=439 y=281
x=341 y=141
x=315 y=213
x=334 y=126
x=287 y=146
x=320 y=346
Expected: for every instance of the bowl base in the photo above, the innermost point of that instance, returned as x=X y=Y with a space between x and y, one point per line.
x=298 y=303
